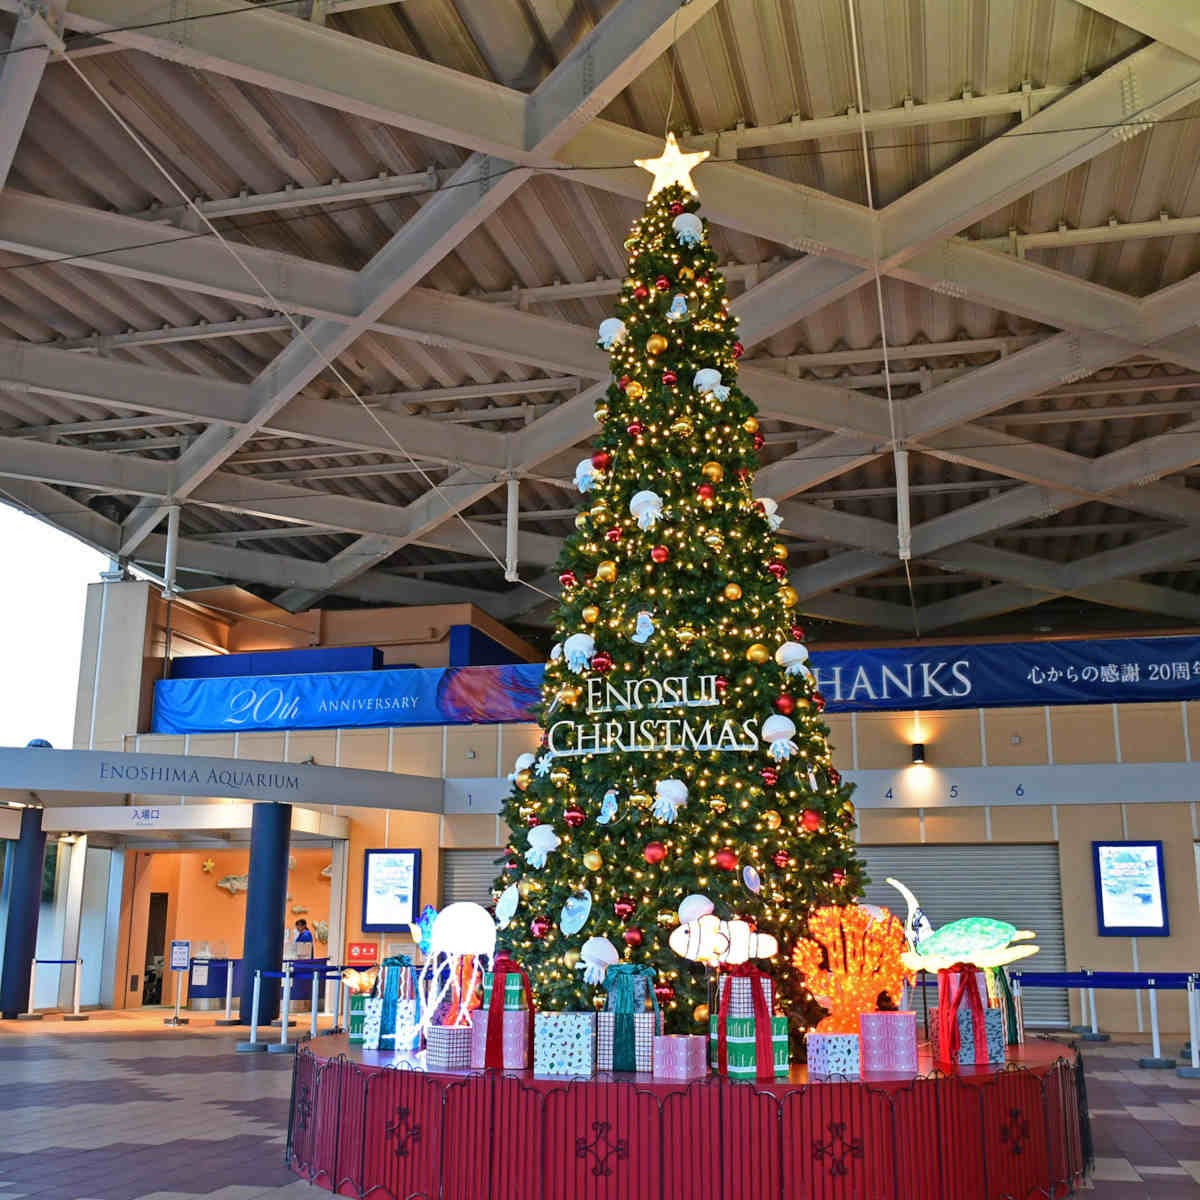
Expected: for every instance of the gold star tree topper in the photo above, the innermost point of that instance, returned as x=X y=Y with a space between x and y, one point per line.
x=672 y=166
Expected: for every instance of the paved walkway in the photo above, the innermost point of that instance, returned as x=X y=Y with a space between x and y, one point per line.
x=122 y=1109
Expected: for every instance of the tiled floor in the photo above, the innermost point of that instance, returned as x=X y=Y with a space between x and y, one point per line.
x=123 y=1109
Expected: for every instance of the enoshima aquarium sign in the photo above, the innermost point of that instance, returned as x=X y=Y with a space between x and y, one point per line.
x=644 y=734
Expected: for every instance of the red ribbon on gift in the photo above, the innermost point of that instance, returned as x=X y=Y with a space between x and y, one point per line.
x=494 y=1046
x=955 y=984
x=764 y=1049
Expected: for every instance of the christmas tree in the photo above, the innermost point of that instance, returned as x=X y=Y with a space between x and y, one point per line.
x=683 y=751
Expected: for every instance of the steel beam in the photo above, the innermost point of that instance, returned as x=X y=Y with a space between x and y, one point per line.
x=21 y=72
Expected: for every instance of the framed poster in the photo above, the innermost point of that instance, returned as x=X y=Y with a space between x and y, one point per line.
x=1131 y=889
x=391 y=890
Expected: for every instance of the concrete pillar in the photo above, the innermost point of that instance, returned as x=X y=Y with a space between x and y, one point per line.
x=266 y=905
x=72 y=919
x=24 y=900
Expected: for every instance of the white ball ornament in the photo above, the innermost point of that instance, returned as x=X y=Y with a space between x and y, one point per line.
x=693 y=907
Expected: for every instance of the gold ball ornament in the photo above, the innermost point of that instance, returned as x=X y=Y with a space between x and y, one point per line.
x=606 y=572
x=682 y=427
x=772 y=819
x=668 y=919
x=713 y=472
x=571 y=958
x=591 y=614
x=848 y=809
x=560 y=776
x=758 y=654
x=687 y=274
x=789 y=596
x=523 y=778
x=593 y=860
x=700 y=1014
x=779 y=551
x=686 y=635
x=581 y=520
x=733 y=591
x=715 y=542
x=750 y=424
x=599 y=512
x=569 y=695
x=656 y=343
x=640 y=800
x=634 y=390
x=601 y=413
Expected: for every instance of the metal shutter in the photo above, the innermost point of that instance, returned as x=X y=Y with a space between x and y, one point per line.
x=1012 y=883
x=469 y=874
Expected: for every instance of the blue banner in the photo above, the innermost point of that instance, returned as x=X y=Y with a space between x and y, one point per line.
x=990 y=675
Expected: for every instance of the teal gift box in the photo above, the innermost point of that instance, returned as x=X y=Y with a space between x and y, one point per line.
x=740 y=1043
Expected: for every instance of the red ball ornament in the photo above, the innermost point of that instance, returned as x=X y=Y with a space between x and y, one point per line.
x=635 y=429
x=623 y=382
x=759 y=441
x=778 y=569
x=770 y=776
x=669 y=377
x=721 y=684
x=726 y=858
x=633 y=937
x=654 y=852
x=743 y=472
x=641 y=292
x=664 y=992
x=662 y=283
x=601 y=460
x=703 y=279
x=613 y=534
x=839 y=877
x=835 y=776
x=818 y=701
x=568 y=579
x=738 y=349
x=706 y=491
x=785 y=704
x=797 y=633
x=602 y=662
x=676 y=208
x=539 y=927
x=624 y=907
x=781 y=858
x=574 y=816
x=660 y=554
x=810 y=820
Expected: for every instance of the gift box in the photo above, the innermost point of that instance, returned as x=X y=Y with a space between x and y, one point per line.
x=970 y=1052
x=514 y=1050
x=952 y=980
x=640 y=1030
x=448 y=1047
x=680 y=1056
x=514 y=990
x=888 y=1041
x=356 y=1008
x=391 y=1018
x=735 y=993
x=564 y=1043
x=372 y=1022
x=833 y=1054
x=741 y=1047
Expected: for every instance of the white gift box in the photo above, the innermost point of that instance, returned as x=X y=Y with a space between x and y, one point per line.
x=564 y=1043
x=833 y=1054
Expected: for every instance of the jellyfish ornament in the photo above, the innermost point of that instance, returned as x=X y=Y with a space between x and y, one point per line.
x=585 y=476
x=611 y=333
x=646 y=508
x=793 y=658
x=462 y=946
x=578 y=650
x=689 y=229
x=670 y=795
x=543 y=841
x=595 y=957
x=778 y=732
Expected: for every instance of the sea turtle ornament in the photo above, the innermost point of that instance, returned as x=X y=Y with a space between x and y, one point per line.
x=978 y=941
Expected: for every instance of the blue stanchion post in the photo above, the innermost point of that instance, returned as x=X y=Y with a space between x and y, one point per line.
x=266 y=901
x=283 y=1046
x=24 y=900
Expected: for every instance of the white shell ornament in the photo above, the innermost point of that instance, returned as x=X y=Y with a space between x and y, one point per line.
x=771 y=512
x=750 y=878
x=506 y=906
x=611 y=333
x=646 y=508
x=575 y=911
x=595 y=957
x=670 y=795
x=578 y=649
x=778 y=732
x=689 y=229
x=693 y=907
x=585 y=475
x=542 y=842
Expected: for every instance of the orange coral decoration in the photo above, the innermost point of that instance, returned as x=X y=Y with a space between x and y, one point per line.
x=850 y=957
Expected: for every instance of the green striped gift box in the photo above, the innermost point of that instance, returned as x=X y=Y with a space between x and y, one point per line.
x=743 y=1063
x=514 y=993
x=356 y=1008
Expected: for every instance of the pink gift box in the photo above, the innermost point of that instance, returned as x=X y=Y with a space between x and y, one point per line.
x=888 y=1041
x=514 y=1040
x=680 y=1056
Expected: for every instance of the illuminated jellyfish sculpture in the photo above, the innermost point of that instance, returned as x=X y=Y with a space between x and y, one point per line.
x=462 y=945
